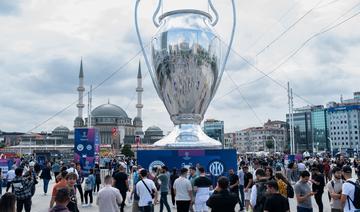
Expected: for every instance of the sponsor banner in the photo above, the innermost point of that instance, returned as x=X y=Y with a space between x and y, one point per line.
x=86 y=148
x=216 y=162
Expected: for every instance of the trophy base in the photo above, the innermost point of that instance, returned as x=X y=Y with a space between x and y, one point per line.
x=187 y=136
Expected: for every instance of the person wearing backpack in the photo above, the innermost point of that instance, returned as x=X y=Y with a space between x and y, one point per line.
x=89 y=186
x=334 y=188
x=258 y=191
x=350 y=196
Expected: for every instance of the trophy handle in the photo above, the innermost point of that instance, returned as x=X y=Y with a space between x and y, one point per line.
x=215 y=13
x=222 y=68
x=141 y=41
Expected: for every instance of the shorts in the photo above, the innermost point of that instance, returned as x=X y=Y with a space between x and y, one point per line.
x=247 y=195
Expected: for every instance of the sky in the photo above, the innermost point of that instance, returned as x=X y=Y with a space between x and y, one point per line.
x=42 y=43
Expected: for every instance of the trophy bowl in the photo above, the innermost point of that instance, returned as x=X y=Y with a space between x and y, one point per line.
x=186 y=66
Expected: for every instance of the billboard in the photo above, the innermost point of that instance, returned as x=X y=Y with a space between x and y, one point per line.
x=87 y=148
x=216 y=162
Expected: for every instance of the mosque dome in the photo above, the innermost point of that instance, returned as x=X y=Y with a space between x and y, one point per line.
x=153 y=128
x=62 y=129
x=109 y=110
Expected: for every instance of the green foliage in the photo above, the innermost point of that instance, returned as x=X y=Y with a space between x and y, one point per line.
x=126 y=150
x=270 y=144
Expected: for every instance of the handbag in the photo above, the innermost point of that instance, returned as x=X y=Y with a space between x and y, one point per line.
x=151 y=193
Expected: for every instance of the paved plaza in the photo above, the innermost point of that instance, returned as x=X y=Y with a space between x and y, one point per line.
x=41 y=202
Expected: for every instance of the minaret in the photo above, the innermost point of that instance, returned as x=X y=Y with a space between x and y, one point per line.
x=139 y=105
x=79 y=121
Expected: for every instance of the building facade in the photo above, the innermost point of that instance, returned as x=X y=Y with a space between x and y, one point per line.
x=270 y=137
x=344 y=120
x=214 y=129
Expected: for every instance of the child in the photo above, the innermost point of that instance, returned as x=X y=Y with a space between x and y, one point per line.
x=89 y=186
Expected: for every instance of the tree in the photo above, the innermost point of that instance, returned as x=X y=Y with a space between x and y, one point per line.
x=126 y=150
x=269 y=144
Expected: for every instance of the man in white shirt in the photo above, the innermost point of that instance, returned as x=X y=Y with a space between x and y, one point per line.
x=109 y=198
x=145 y=188
x=183 y=192
x=348 y=190
x=72 y=169
x=9 y=177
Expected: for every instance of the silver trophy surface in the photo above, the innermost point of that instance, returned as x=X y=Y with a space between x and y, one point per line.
x=186 y=67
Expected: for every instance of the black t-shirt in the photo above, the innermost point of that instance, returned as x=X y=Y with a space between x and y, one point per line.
x=234 y=179
x=120 y=179
x=202 y=182
x=318 y=188
x=276 y=203
x=247 y=176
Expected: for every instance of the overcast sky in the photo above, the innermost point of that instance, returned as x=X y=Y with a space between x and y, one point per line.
x=42 y=42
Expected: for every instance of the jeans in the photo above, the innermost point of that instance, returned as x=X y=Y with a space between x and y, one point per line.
x=46 y=185
x=301 y=209
x=89 y=192
x=97 y=186
x=318 y=200
x=242 y=195
x=79 y=188
x=163 y=201
x=23 y=203
x=123 y=195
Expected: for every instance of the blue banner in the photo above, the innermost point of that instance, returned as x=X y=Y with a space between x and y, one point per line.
x=216 y=162
x=86 y=148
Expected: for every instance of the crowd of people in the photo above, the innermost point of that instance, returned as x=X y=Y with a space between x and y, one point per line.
x=260 y=184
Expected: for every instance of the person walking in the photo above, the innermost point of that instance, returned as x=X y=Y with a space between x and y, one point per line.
x=146 y=190
x=334 y=188
x=79 y=183
x=234 y=184
x=164 y=188
x=97 y=178
x=275 y=202
x=258 y=191
x=183 y=192
x=55 y=169
x=318 y=184
x=61 y=199
x=59 y=185
x=22 y=190
x=222 y=200
x=241 y=176
x=348 y=190
x=202 y=186
x=121 y=183
x=89 y=186
x=9 y=178
x=303 y=193
x=248 y=183
x=108 y=198
x=173 y=177
x=71 y=181
x=46 y=177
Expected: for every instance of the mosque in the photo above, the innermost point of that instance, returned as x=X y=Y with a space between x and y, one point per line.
x=115 y=126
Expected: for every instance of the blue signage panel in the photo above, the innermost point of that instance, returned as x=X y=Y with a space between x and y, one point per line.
x=86 y=148
x=216 y=162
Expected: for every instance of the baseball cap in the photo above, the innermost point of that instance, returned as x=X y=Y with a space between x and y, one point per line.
x=347 y=169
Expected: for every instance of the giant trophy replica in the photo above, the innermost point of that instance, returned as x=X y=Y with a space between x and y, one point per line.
x=186 y=69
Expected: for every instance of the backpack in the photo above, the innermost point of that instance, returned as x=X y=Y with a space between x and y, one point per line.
x=290 y=191
x=356 y=201
x=88 y=184
x=260 y=196
x=333 y=186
